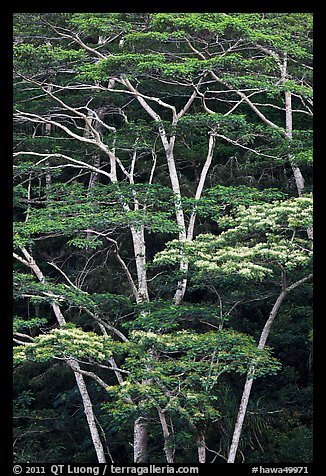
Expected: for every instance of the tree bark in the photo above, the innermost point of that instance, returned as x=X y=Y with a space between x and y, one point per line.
x=201 y=183
x=138 y=239
x=168 y=449
x=249 y=380
x=48 y=131
x=298 y=177
x=142 y=422
x=201 y=448
x=174 y=179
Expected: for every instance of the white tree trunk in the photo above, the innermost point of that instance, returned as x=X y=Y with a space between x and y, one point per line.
x=138 y=239
x=298 y=177
x=168 y=146
x=140 y=439
x=249 y=381
x=142 y=422
x=201 y=183
x=184 y=265
x=88 y=410
x=48 y=131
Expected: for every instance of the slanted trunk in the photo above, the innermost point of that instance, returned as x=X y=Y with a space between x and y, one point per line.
x=87 y=403
x=182 y=283
x=73 y=364
x=168 y=448
x=249 y=381
x=201 y=183
x=183 y=235
x=174 y=179
x=88 y=410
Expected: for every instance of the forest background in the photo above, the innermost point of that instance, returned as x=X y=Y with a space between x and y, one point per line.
x=163 y=232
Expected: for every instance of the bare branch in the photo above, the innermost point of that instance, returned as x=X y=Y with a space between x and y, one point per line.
x=66 y=157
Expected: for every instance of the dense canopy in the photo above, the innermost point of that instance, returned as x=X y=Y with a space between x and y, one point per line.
x=163 y=237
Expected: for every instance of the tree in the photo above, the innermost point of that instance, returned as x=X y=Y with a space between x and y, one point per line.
x=116 y=150
x=261 y=239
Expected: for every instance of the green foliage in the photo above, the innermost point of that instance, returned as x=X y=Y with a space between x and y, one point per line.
x=255 y=244
x=250 y=231
x=71 y=209
x=216 y=200
x=67 y=342
x=162 y=317
x=20 y=324
x=191 y=361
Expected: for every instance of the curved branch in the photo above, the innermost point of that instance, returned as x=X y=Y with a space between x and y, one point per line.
x=123 y=264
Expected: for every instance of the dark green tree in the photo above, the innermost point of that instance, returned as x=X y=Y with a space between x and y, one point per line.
x=132 y=130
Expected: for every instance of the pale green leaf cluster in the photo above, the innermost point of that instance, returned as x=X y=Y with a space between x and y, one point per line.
x=260 y=239
x=279 y=217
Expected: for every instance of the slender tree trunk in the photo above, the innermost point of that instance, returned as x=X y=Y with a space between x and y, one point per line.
x=183 y=233
x=94 y=177
x=201 y=448
x=98 y=127
x=141 y=423
x=249 y=380
x=138 y=238
x=140 y=439
x=88 y=408
x=48 y=131
x=298 y=177
x=201 y=183
x=174 y=179
x=184 y=265
x=189 y=233
x=168 y=449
